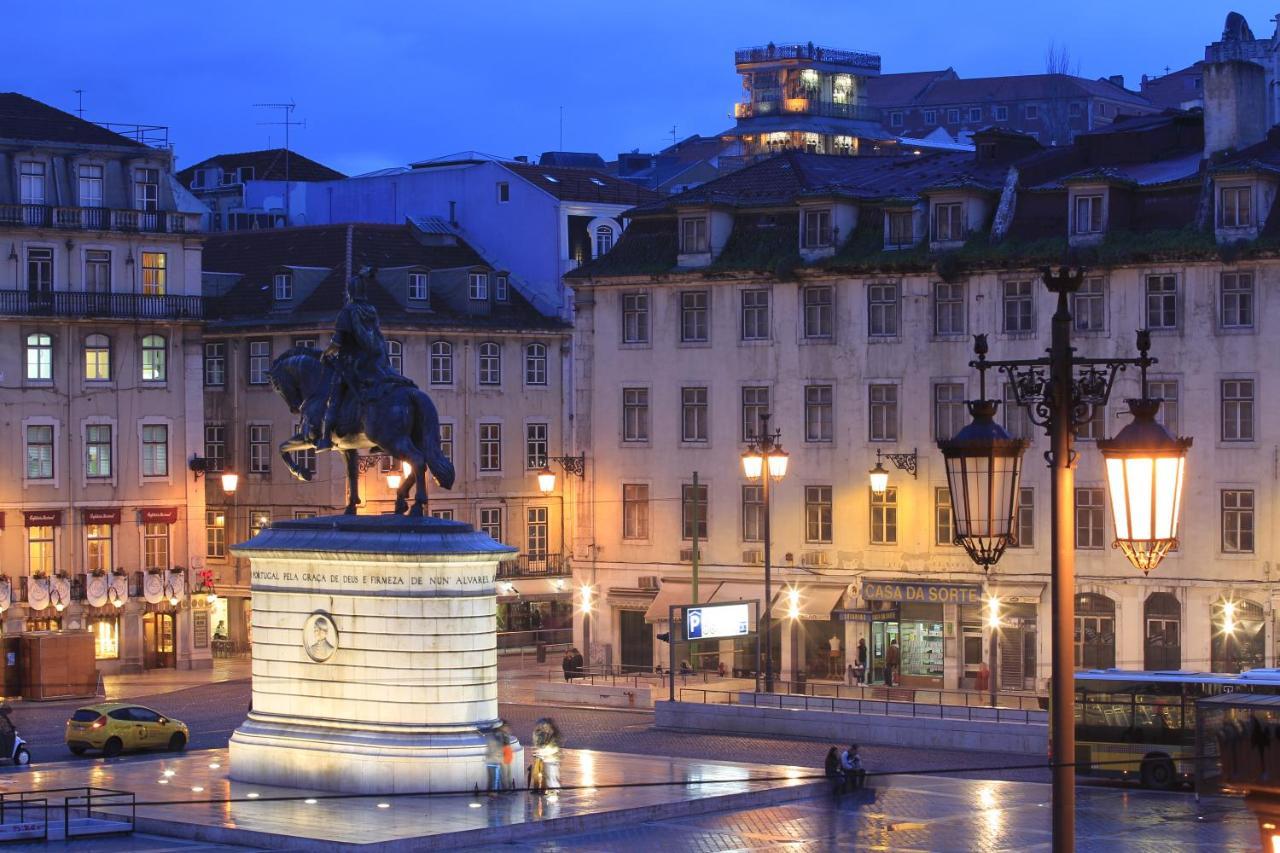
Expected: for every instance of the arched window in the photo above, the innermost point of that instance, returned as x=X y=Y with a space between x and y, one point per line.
x=490 y=364
x=97 y=358
x=40 y=357
x=395 y=355
x=1238 y=640
x=153 y=358
x=1095 y=632
x=1163 y=617
x=441 y=363
x=535 y=364
x=604 y=239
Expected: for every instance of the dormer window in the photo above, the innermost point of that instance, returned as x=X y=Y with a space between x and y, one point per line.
x=817 y=229
x=953 y=116
x=604 y=240
x=987 y=151
x=1002 y=113
x=1235 y=207
x=501 y=288
x=975 y=113
x=478 y=289
x=418 y=286
x=1088 y=214
x=901 y=230
x=284 y=287
x=948 y=222
x=693 y=235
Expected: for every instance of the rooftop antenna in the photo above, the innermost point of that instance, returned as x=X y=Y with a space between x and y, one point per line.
x=561 y=148
x=79 y=102
x=673 y=134
x=286 y=120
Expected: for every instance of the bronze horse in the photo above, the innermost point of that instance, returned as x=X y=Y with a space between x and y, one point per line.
x=402 y=422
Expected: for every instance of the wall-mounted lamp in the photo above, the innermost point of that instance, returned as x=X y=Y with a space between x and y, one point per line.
x=879 y=475
x=230 y=480
x=575 y=465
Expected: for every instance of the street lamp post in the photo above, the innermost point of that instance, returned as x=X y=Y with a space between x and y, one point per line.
x=1145 y=467
x=765 y=460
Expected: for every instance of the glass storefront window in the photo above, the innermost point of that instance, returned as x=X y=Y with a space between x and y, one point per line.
x=920 y=639
x=106 y=637
x=44 y=623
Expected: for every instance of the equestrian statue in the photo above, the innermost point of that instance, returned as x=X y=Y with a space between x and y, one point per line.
x=350 y=399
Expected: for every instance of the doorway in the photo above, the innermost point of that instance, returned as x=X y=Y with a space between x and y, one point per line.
x=157 y=641
x=636 y=636
x=883 y=633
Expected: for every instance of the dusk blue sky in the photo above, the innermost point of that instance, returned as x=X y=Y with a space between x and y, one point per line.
x=386 y=83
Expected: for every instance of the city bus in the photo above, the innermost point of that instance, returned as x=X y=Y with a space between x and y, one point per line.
x=1142 y=725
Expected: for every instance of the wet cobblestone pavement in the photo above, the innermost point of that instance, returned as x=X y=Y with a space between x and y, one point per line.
x=914 y=813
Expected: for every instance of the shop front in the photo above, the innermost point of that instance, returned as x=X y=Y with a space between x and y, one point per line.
x=914 y=625
x=534 y=612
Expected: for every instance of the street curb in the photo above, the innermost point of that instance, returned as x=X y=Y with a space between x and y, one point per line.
x=494 y=835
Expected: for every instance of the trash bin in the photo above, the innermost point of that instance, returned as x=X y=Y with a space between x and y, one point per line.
x=542 y=652
x=797 y=683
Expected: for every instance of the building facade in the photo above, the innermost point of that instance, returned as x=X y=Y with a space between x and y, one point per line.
x=496 y=368
x=101 y=331
x=252 y=190
x=841 y=301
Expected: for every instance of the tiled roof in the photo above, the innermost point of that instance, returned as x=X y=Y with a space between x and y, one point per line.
x=1025 y=87
x=28 y=119
x=267 y=165
x=571 y=184
x=573 y=159
x=256 y=256
x=894 y=90
x=792 y=174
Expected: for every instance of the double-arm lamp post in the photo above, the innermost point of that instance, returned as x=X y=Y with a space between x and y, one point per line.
x=765 y=460
x=1144 y=468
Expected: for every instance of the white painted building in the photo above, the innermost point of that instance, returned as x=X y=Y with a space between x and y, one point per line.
x=841 y=299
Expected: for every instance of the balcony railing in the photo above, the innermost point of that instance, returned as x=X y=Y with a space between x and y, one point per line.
x=831 y=55
x=533 y=566
x=97 y=219
x=121 y=306
x=805 y=107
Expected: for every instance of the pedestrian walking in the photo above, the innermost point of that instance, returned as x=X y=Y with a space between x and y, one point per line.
x=577 y=664
x=860 y=672
x=566 y=663
x=892 y=660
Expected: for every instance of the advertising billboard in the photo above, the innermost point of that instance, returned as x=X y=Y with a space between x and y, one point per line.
x=718 y=620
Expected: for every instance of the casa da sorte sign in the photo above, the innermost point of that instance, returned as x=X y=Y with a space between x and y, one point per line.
x=925 y=593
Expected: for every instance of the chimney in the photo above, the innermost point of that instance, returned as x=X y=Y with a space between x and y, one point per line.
x=1235 y=105
x=522 y=158
x=1117 y=80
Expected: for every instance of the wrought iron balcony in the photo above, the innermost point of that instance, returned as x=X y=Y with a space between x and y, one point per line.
x=805 y=107
x=119 y=306
x=831 y=55
x=97 y=219
x=533 y=566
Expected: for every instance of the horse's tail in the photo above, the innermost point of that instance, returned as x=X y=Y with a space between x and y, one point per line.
x=428 y=435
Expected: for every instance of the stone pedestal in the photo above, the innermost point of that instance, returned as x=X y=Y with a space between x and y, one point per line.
x=375 y=664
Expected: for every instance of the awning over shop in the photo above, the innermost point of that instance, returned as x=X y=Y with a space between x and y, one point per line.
x=815 y=603
x=1018 y=593
x=739 y=591
x=534 y=589
x=674 y=592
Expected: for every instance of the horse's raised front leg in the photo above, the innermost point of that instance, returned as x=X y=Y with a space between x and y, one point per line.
x=293 y=445
x=353 y=480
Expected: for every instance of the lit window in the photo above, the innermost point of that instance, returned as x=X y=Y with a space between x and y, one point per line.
x=97 y=449
x=40 y=549
x=153 y=358
x=154 y=273
x=40 y=357
x=215 y=530
x=97 y=358
x=106 y=637
x=98 y=547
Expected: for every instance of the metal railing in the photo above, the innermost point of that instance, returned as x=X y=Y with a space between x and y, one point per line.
x=23 y=818
x=886 y=707
x=634 y=676
x=833 y=55
x=125 y=306
x=533 y=566
x=905 y=693
x=805 y=106
x=84 y=809
x=98 y=219
x=527 y=639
